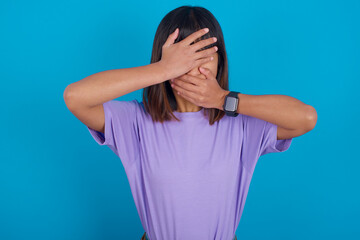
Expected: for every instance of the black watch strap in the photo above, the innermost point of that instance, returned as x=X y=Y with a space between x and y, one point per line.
x=235 y=95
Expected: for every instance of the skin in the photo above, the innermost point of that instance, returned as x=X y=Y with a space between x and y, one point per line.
x=193 y=90
x=185 y=104
x=292 y=117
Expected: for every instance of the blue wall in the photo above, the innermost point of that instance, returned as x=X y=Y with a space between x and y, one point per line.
x=57 y=183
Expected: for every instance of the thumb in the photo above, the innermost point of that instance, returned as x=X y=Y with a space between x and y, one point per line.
x=205 y=71
x=172 y=38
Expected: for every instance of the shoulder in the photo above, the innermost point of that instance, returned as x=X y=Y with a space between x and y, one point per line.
x=121 y=105
x=121 y=109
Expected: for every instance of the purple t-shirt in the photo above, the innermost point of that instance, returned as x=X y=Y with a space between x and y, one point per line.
x=189 y=180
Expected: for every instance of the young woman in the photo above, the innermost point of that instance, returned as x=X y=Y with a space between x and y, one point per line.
x=188 y=148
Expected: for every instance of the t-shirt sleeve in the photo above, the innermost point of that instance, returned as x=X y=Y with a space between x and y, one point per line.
x=121 y=130
x=261 y=136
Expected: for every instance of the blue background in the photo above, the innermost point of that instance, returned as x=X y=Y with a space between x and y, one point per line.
x=57 y=183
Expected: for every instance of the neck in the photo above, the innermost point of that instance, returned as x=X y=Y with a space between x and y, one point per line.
x=186 y=106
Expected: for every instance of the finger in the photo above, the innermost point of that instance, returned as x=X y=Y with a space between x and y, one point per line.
x=190 y=96
x=206 y=53
x=171 y=39
x=202 y=61
x=190 y=79
x=185 y=85
x=206 y=72
x=192 y=37
x=203 y=43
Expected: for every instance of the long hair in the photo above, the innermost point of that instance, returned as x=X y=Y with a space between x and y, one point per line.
x=159 y=100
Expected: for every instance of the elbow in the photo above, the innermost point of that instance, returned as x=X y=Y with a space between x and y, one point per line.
x=68 y=97
x=311 y=117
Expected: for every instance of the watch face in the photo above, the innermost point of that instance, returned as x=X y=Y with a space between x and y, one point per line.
x=231 y=104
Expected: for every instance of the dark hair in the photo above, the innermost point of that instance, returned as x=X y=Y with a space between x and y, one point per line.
x=161 y=100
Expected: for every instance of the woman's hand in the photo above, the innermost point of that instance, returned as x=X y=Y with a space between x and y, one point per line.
x=202 y=92
x=179 y=58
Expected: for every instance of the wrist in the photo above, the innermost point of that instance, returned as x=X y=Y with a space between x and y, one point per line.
x=165 y=72
x=222 y=99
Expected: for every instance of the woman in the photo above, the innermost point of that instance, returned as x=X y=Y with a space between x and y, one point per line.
x=189 y=160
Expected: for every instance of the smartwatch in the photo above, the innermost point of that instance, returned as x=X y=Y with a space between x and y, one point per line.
x=231 y=104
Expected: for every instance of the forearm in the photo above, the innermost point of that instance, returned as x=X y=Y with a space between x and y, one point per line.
x=110 y=84
x=282 y=110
